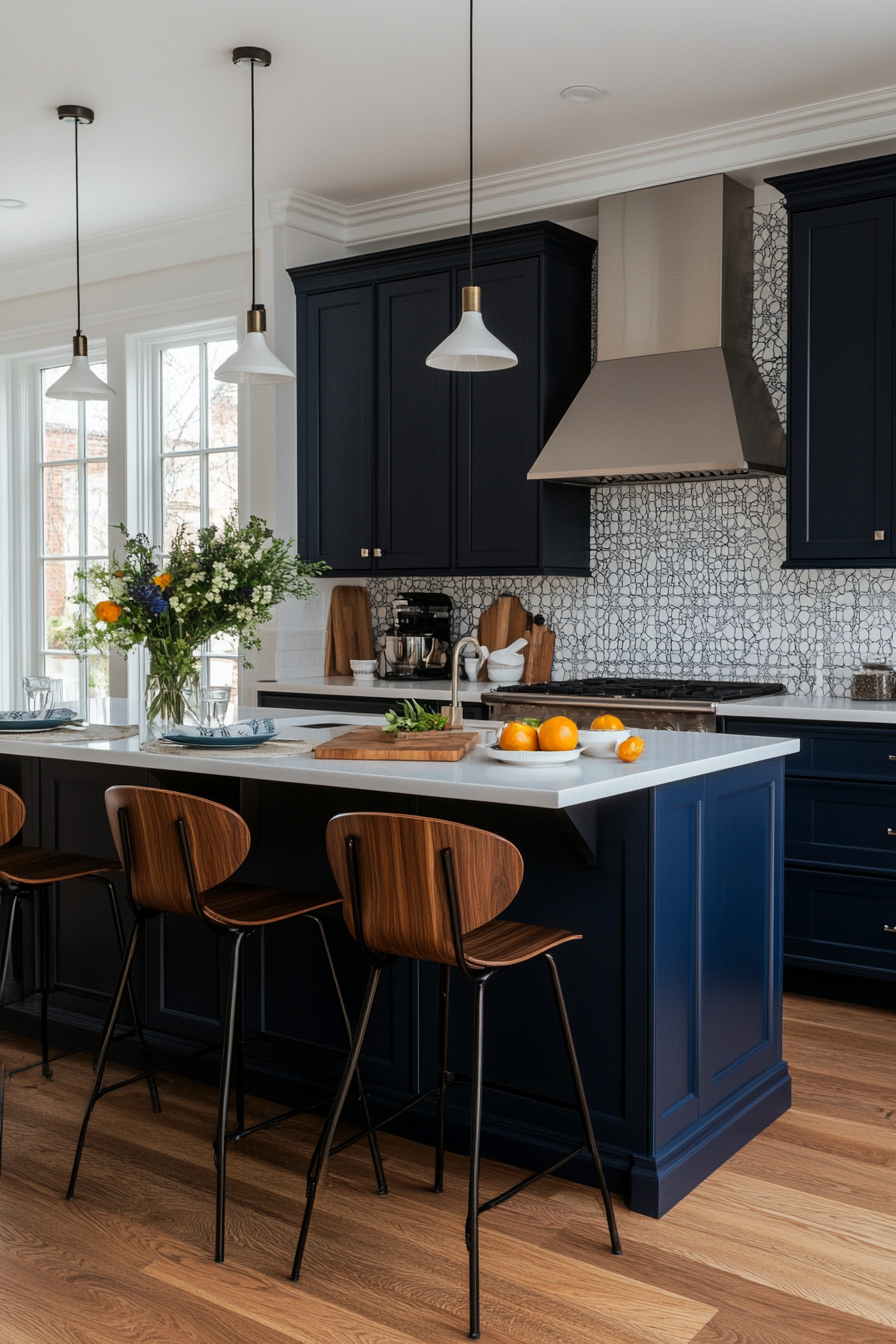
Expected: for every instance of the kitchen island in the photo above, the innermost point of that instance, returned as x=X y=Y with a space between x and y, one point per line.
x=670 y=867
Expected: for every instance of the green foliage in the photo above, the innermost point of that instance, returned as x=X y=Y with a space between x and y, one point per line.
x=226 y=582
x=414 y=719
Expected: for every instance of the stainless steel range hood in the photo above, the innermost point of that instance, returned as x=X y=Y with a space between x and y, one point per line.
x=675 y=393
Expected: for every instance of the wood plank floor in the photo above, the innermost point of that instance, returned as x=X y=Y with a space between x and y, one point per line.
x=794 y=1240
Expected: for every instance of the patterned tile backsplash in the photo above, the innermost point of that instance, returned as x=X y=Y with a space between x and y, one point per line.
x=686 y=578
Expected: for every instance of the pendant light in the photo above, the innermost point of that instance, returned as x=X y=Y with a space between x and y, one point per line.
x=471 y=348
x=79 y=382
x=253 y=362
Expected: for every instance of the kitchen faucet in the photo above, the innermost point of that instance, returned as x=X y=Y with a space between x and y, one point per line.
x=455 y=713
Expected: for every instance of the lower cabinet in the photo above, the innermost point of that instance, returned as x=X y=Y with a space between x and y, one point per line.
x=347 y=704
x=840 y=845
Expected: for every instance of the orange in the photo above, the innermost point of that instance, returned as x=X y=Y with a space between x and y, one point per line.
x=606 y=721
x=630 y=749
x=558 y=734
x=518 y=737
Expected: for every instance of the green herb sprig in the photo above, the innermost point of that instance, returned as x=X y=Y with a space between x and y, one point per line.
x=414 y=719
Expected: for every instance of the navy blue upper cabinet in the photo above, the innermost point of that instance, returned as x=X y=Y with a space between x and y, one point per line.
x=423 y=470
x=841 y=444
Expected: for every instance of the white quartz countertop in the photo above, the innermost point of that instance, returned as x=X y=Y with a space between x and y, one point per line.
x=667 y=758
x=383 y=688
x=813 y=708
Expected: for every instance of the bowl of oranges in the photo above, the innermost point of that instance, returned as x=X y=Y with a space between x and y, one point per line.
x=528 y=742
x=609 y=737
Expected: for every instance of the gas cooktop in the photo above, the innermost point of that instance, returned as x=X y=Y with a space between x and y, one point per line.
x=641 y=688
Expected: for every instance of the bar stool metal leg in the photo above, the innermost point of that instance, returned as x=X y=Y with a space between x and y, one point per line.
x=227 y=1057
x=583 y=1104
x=322 y=1152
x=5 y=957
x=475 y=1147
x=132 y=1002
x=442 y=1067
x=43 y=918
x=108 y=1033
x=372 y=1142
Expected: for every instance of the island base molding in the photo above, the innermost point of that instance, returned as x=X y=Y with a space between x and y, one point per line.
x=674 y=993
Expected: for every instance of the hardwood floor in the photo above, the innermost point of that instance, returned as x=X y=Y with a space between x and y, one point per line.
x=794 y=1240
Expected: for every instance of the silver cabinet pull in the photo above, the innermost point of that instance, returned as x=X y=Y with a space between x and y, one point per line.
x=377 y=552
x=893 y=758
x=890 y=928
x=878 y=536
x=364 y=553
x=890 y=831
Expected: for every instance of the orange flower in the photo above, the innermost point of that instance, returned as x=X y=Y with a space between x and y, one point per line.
x=108 y=612
x=162 y=580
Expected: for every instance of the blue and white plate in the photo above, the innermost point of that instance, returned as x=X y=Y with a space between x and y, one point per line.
x=244 y=733
x=35 y=720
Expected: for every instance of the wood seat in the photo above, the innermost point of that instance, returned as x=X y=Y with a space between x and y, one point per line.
x=26 y=870
x=432 y=891
x=241 y=903
x=178 y=853
x=41 y=867
x=503 y=942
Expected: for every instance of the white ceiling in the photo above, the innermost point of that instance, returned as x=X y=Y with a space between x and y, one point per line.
x=367 y=98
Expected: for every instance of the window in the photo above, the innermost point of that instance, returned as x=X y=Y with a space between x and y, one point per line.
x=74 y=527
x=198 y=463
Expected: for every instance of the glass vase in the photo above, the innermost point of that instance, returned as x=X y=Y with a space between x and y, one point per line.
x=171 y=698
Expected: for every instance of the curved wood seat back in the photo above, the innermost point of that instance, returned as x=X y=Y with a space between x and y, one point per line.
x=218 y=838
x=404 y=902
x=12 y=814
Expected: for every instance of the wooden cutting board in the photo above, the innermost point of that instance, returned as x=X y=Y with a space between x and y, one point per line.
x=506 y=620
x=372 y=744
x=349 y=632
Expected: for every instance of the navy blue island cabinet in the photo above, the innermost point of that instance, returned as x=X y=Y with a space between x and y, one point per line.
x=403 y=469
x=841 y=508
x=674 y=992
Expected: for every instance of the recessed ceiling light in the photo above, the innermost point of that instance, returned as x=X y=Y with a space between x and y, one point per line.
x=581 y=93
x=7 y=203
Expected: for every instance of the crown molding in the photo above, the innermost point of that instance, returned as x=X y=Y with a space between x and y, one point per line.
x=107 y=256
x=857 y=122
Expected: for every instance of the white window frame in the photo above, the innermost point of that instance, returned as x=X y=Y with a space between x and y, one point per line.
x=145 y=477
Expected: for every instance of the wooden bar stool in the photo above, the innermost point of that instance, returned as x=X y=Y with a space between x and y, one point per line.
x=27 y=871
x=177 y=852
x=431 y=890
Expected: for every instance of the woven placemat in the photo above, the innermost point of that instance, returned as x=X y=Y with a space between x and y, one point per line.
x=91 y=732
x=217 y=753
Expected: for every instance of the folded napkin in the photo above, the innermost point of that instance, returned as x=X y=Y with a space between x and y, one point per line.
x=242 y=728
x=31 y=715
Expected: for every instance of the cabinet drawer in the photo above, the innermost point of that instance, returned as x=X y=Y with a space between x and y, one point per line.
x=864 y=754
x=840 y=917
x=841 y=825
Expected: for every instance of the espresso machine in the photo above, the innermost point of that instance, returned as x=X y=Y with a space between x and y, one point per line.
x=418 y=642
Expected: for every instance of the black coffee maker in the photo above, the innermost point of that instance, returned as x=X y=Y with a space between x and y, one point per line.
x=418 y=642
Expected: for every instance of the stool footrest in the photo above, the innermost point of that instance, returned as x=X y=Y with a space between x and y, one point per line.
x=529 y=1180
x=128 y=1035
x=238 y=1134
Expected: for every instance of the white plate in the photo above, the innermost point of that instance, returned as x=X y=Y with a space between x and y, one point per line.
x=539 y=759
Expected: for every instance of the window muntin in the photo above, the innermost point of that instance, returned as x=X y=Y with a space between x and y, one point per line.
x=74 y=527
x=199 y=463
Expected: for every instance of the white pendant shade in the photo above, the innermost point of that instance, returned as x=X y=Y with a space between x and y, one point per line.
x=80 y=383
x=253 y=362
x=471 y=348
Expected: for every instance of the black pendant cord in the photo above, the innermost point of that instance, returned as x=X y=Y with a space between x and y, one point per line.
x=77 y=234
x=471 y=142
x=252 y=95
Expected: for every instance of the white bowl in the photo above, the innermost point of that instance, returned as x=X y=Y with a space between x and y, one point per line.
x=602 y=741
x=362 y=664
x=505 y=676
x=539 y=759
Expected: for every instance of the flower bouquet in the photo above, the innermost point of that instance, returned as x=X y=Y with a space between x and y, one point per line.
x=223 y=582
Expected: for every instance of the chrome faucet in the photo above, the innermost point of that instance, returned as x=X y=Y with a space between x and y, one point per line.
x=455 y=713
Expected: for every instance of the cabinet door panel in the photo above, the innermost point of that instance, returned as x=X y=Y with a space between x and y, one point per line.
x=499 y=424
x=336 y=498
x=841 y=383
x=841 y=917
x=842 y=825
x=414 y=504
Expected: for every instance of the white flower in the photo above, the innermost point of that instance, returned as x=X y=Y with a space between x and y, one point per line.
x=101 y=625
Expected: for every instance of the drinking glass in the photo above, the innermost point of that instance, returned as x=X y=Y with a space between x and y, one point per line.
x=40 y=692
x=214 y=701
